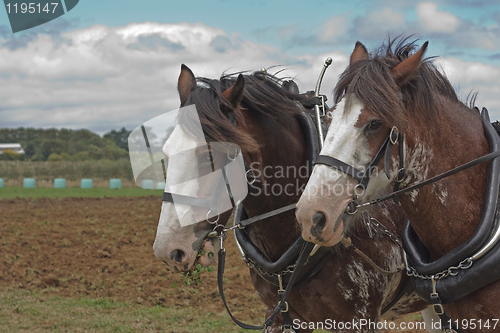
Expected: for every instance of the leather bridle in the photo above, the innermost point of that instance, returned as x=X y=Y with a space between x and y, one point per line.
x=363 y=177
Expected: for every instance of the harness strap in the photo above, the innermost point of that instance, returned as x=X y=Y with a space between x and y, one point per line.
x=462 y=167
x=228 y=188
x=283 y=305
x=254 y=219
x=220 y=276
x=288 y=323
x=446 y=323
x=342 y=166
x=313 y=101
x=401 y=171
x=362 y=177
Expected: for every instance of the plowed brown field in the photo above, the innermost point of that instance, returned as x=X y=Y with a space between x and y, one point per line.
x=102 y=247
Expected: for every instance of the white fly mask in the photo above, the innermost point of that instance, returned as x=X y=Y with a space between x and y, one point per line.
x=202 y=179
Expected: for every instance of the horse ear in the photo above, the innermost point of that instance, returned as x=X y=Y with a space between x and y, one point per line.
x=359 y=53
x=405 y=70
x=234 y=94
x=185 y=82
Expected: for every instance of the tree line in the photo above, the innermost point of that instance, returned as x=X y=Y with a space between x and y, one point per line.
x=65 y=144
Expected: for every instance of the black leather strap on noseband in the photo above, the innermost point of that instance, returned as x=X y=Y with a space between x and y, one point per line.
x=342 y=166
x=384 y=151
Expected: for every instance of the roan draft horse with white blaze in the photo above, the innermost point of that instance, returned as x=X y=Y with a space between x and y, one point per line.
x=396 y=98
x=264 y=119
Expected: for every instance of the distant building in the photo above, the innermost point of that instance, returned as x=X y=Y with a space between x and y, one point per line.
x=12 y=147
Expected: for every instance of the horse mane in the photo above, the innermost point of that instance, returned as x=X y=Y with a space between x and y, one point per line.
x=263 y=96
x=372 y=82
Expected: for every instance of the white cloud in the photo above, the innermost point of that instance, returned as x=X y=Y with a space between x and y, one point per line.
x=435 y=20
x=467 y=72
x=377 y=24
x=468 y=76
x=103 y=78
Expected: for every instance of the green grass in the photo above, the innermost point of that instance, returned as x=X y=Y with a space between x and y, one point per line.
x=14 y=192
x=24 y=311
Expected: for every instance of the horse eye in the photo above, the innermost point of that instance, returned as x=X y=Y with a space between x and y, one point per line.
x=373 y=125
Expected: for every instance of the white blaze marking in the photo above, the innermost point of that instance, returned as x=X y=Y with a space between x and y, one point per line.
x=342 y=142
x=182 y=172
x=169 y=229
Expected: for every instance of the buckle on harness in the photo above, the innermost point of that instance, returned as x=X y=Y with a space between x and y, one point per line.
x=438 y=308
x=286 y=307
x=280 y=283
x=394 y=135
x=352 y=207
x=214 y=221
x=401 y=175
x=248 y=172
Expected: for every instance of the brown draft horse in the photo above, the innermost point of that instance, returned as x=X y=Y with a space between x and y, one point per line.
x=397 y=88
x=349 y=287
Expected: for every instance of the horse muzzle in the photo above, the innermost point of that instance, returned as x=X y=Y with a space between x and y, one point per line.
x=319 y=223
x=181 y=258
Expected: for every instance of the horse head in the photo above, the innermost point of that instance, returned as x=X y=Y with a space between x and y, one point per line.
x=184 y=245
x=367 y=118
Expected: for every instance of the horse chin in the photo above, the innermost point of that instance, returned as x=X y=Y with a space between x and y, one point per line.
x=333 y=238
x=326 y=238
x=208 y=256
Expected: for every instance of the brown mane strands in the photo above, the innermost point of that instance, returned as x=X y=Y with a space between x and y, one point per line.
x=373 y=82
x=263 y=94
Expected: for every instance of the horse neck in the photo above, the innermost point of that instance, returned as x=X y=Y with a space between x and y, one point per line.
x=445 y=213
x=283 y=151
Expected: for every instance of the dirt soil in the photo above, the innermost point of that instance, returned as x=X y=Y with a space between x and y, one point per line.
x=102 y=247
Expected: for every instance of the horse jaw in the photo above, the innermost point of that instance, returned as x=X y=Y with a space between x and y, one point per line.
x=170 y=235
x=330 y=190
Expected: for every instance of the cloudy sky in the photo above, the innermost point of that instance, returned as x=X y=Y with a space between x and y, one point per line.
x=108 y=64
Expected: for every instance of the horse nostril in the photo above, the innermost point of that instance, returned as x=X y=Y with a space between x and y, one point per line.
x=177 y=256
x=319 y=220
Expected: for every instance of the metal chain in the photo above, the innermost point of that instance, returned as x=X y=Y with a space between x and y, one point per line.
x=369 y=220
x=251 y=264
x=450 y=271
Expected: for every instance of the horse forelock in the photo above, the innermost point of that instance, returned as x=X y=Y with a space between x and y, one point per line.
x=372 y=82
x=263 y=97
